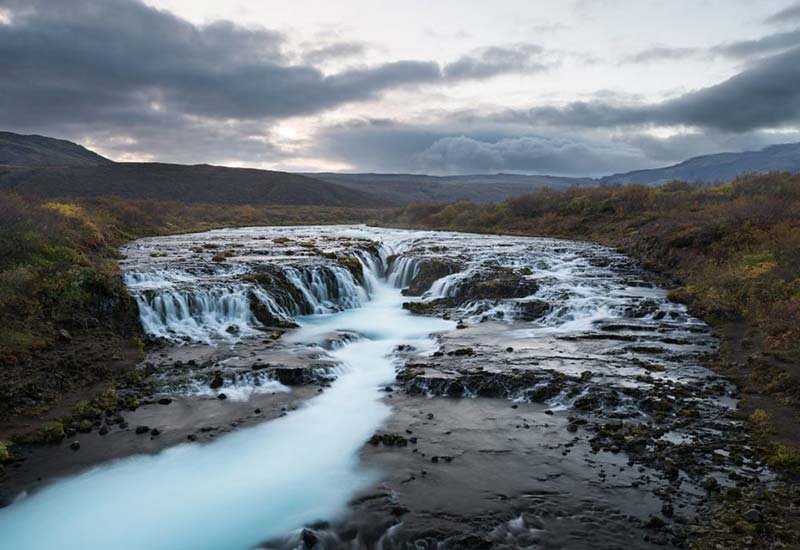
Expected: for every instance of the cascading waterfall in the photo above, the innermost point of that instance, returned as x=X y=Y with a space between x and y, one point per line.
x=403 y=270
x=178 y=306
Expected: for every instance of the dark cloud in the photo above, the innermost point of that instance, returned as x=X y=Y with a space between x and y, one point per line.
x=531 y=154
x=769 y=44
x=388 y=146
x=786 y=15
x=661 y=53
x=763 y=95
x=489 y=62
x=119 y=67
x=333 y=52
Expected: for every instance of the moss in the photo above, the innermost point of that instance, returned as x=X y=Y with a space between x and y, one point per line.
x=52 y=432
x=5 y=454
x=785 y=460
x=760 y=423
x=353 y=265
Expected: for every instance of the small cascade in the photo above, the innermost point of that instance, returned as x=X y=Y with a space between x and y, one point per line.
x=402 y=271
x=229 y=302
x=446 y=287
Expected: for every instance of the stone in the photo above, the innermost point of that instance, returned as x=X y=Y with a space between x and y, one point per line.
x=217 y=381
x=222 y=397
x=752 y=516
x=75 y=445
x=142 y=429
x=165 y=401
x=64 y=335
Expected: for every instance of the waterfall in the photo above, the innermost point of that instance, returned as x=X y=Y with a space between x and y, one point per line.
x=194 y=305
x=403 y=270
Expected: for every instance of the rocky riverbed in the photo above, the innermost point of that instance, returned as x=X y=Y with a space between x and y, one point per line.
x=414 y=389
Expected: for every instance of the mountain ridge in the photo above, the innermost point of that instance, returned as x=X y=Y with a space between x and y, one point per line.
x=50 y=167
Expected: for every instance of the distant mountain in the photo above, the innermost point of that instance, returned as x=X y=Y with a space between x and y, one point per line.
x=401 y=189
x=20 y=150
x=200 y=183
x=719 y=167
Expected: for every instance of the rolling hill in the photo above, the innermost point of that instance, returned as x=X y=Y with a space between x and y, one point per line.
x=401 y=189
x=718 y=167
x=177 y=182
x=21 y=150
x=48 y=167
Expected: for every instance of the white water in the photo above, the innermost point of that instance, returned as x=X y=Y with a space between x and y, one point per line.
x=245 y=487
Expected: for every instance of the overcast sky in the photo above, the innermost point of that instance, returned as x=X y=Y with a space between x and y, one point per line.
x=581 y=87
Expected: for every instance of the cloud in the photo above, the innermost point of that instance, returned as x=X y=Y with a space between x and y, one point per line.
x=769 y=44
x=333 y=52
x=440 y=148
x=763 y=95
x=462 y=154
x=122 y=68
x=661 y=53
x=786 y=15
x=489 y=62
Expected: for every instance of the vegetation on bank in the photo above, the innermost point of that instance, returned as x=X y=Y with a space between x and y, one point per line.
x=68 y=322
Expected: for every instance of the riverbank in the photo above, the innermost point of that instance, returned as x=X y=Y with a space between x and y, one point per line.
x=71 y=331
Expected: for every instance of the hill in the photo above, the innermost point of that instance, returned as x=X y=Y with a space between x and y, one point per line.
x=717 y=168
x=175 y=182
x=402 y=189
x=33 y=150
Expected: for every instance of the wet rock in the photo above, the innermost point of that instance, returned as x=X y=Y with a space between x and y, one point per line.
x=165 y=401
x=218 y=381
x=309 y=538
x=531 y=311
x=461 y=352
x=142 y=430
x=429 y=271
x=155 y=432
x=64 y=336
x=654 y=522
x=222 y=397
x=75 y=445
x=753 y=516
x=390 y=440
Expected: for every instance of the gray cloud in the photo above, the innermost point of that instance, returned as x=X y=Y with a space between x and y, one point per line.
x=335 y=51
x=661 y=53
x=121 y=68
x=768 y=44
x=381 y=146
x=763 y=95
x=462 y=154
x=789 y=14
x=489 y=62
